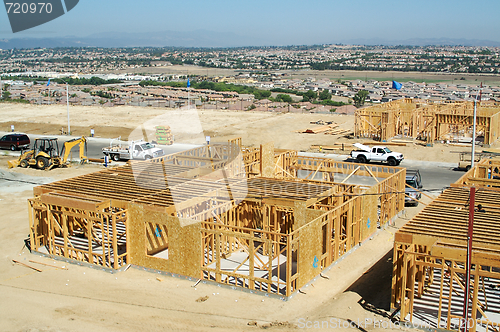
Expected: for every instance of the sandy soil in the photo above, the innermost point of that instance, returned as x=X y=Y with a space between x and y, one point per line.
x=85 y=299
x=254 y=127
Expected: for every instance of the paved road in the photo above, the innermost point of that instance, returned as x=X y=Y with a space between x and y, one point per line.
x=95 y=144
x=435 y=175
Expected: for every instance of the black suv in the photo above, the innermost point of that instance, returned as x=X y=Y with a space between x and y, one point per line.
x=15 y=142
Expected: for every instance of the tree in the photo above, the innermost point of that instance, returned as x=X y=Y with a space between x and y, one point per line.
x=325 y=95
x=284 y=98
x=309 y=96
x=360 y=97
x=6 y=95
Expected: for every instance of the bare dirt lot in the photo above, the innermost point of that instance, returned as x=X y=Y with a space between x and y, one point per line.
x=254 y=127
x=78 y=298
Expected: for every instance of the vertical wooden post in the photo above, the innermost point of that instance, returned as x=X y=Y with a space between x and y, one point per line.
x=251 y=255
x=217 y=257
x=289 y=264
x=403 y=288
x=90 y=223
x=441 y=287
x=115 y=244
x=64 y=220
x=475 y=299
x=337 y=234
x=472 y=203
x=33 y=232
x=412 y=284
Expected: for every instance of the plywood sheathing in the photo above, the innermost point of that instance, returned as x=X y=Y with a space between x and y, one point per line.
x=183 y=258
x=267 y=162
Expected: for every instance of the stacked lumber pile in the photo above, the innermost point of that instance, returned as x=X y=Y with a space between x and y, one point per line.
x=319 y=129
x=163 y=135
x=335 y=146
x=339 y=131
x=327 y=128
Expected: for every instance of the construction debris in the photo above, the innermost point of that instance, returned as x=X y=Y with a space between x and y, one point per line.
x=318 y=129
x=26 y=265
x=202 y=299
x=321 y=122
x=339 y=131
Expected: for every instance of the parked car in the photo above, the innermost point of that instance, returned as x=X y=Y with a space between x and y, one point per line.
x=414 y=180
x=15 y=142
x=365 y=154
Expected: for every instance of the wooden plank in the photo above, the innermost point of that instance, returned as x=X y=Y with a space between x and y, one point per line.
x=26 y=265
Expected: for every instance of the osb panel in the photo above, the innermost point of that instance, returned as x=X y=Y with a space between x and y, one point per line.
x=299 y=214
x=267 y=160
x=313 y=214
x=369 y=213
x=184 y=243
x=185 y=249
x=309 y=255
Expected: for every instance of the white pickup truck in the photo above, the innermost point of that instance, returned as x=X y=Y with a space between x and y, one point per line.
x=135 y=150
x=365 y=154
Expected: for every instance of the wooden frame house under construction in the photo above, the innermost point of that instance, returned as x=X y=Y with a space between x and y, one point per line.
x=257 y=218
x=427 y=121
x=429 y=273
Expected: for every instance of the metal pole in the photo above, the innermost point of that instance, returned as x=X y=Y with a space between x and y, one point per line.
x=474 y=135
x=472 y=203
x=67 y=105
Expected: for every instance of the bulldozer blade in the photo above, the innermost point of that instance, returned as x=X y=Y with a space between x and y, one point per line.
x=13 y=163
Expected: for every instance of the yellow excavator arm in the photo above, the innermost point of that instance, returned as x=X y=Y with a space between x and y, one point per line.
x=81 y=142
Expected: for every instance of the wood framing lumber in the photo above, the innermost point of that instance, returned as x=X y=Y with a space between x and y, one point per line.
x=26 y=265
x=318 y=129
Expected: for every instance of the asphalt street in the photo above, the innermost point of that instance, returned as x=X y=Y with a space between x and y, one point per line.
x=435 y=175
x=95 y=144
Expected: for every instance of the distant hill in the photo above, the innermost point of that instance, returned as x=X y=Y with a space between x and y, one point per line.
x=424 y=42
x=198 y=38
x=205 y=38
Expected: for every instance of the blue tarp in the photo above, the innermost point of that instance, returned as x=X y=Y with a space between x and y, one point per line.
x=396 y=85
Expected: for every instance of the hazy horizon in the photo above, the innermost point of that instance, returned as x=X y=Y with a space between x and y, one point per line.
x=264 y=23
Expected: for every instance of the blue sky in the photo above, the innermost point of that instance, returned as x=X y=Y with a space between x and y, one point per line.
x=279 y=22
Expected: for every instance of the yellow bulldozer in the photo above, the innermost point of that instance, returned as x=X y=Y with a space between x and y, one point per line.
x=45 y=154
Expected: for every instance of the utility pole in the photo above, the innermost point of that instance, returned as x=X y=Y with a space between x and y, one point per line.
x=472 y=204
x=67 y=105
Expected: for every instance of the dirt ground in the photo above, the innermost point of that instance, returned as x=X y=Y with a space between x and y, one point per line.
x=78 y=298
x=254 y=127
